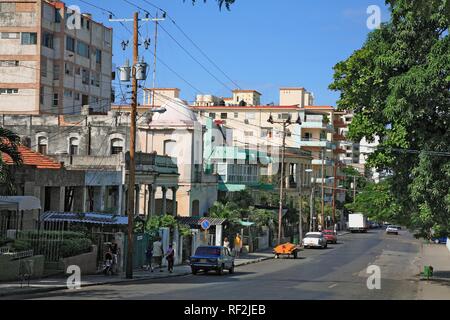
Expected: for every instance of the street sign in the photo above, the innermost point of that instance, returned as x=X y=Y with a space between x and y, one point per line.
x=205 y=224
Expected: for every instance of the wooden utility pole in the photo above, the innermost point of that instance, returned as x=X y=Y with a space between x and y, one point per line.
x=300 y=209
x=132 y=168
x=154 y=61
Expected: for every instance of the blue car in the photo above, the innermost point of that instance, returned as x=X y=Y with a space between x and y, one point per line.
x=439 y=240
x=208 y=258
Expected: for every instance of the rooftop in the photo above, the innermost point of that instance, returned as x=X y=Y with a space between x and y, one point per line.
x=32 y=158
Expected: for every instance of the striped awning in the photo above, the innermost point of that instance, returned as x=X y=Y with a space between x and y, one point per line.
x=89 y=218
x=197 y=221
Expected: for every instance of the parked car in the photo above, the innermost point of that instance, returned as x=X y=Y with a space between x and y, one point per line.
x=208 y=258
x=314 y=239
x=391 y=229
x=439 y=240
x=330 y=236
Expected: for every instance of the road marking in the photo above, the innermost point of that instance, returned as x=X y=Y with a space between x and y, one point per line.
x=332 y=286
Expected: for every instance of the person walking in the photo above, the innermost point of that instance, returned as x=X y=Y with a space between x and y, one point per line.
x=237 y=245
x=148 y=257
x=170 y=256
x=157 y=254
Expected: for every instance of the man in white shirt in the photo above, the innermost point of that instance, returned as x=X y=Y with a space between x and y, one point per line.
x=158 y=254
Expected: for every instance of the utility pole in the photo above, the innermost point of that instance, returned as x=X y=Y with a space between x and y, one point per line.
x=323 y=189
x=285 y=124
x=334 y=193
x=354 y=189
x=300 y=209
x=154 y=61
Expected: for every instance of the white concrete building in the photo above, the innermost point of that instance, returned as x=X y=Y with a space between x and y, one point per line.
x=52 y=60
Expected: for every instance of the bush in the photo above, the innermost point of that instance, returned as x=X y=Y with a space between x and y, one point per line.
x=21 y=245
x=74 y=247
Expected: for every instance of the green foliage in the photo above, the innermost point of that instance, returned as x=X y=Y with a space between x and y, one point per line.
x=398 y=85
x=21 y=245
x=74 y=247
x=9 y=143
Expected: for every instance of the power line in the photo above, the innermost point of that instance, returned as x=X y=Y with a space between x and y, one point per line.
x=194 y=44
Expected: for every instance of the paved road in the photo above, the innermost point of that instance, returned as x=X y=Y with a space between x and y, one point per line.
x=338 y=272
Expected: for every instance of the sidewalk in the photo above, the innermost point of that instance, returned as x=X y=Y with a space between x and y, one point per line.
x=438 y=287
x=59 y=283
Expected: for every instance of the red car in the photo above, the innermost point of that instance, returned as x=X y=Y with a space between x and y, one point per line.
x=330 y=235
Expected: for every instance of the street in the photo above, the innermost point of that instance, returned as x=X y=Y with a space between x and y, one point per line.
x=338 y=272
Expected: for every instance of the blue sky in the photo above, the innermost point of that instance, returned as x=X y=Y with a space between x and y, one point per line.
x=260 y=44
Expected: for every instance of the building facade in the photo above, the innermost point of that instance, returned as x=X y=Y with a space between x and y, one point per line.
x=52 y=60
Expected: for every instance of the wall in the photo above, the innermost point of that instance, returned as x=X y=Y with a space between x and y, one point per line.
x=448 y=244
x=87 y=261
x=9 y=270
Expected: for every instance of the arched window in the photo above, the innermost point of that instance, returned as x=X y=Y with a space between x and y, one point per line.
x=116 y=146
x=73 y=146
x=195 y=208
x=42 y=145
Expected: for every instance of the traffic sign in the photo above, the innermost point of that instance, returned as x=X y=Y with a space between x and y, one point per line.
x=205 y=224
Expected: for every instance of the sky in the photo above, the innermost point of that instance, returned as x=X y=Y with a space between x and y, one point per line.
x=259 y=44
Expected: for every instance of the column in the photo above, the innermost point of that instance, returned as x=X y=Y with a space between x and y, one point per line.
x=174 y=201
x=62 y=198
x=164 y=201
x=120 y=200
x=137 y=195
x=151 y=200
x=218 y=235
x=287 y=168
x=102 y=198
x=84 y=198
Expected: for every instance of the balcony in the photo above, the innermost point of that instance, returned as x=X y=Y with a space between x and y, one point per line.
x=339 y=124
x=339 y=137
x=305 y=142
x=318 y=162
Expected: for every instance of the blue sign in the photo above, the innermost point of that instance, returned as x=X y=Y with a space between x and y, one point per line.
x=205 y=224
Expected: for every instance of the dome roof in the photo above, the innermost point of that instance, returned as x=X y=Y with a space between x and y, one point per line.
x=176 y=111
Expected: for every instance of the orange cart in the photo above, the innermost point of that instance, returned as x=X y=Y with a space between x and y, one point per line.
x=288 y=249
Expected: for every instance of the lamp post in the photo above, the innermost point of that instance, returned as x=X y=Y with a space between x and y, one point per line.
x=311 y=204
x=286 y=123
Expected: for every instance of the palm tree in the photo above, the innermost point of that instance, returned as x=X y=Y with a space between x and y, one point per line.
x=9 y=144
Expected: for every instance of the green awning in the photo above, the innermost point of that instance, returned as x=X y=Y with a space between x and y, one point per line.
x=246 y=223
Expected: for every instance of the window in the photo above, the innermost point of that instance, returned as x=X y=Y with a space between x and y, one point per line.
x=85 y=76
x=68 y=93
x=41 y=95
x=73 y=146
x=83 y=49
x=98 y=56
x=212 y=115
x=9 y=91
x=57 y=15
x=116 y=146
x=307 y=136
x=42 y=145
x=224 y=115
x=236 y=115
x=44 y=67
x=84 y=99
x=78 y=71
x=77 y=96
x=266 y=133
x=10 y=35
x=55 y=99
x=29 y=38
x=170 y=147
x=283 y=116
x=9 y=63
x=47 y=40
x=248 y=133
x=70 y=44
x=7 y=7
x=55 y=71
x=68 y=69
x=95 y=81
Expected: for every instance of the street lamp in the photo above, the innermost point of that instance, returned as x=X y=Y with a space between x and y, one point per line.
x=311 y=205
x=286 y=123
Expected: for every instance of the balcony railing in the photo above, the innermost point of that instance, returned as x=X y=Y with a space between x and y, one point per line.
x=308 y=142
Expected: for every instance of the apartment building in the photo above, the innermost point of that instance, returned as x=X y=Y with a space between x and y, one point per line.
x=53 y=60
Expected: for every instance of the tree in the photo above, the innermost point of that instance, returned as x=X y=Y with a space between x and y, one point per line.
x=9 y=144
x=398 y=85
x=227 y=3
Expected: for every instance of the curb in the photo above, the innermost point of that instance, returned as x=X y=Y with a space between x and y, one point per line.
x=122 y=281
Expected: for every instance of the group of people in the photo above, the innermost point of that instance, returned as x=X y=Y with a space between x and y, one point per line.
x=237 y=249
x=155 y=254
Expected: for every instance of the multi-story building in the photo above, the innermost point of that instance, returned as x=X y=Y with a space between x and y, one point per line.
x=53 y=60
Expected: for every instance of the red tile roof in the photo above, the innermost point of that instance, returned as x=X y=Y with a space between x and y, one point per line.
x=295 y=107
x=320 y=107
x=32 y=158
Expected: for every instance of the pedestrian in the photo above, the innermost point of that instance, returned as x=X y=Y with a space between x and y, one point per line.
x=226 y=243
x=157 y=254
x=115 y=254
x=170 y=256
x=148 y=257
x=237 y=245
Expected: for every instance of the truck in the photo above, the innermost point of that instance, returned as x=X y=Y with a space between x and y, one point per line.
x=357 y=223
